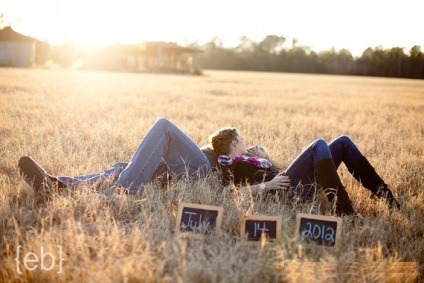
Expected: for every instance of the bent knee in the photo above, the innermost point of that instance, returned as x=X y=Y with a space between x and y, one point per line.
x=162 y=123
x=344 y=139
x=320 y=142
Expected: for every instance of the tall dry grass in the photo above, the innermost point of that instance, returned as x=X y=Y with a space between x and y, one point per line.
x=78 y=122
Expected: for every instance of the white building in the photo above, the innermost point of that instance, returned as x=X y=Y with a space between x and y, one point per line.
x=16 y=50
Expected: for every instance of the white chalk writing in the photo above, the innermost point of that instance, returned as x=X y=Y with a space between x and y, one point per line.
x=259 y=228
x=316 y=232
x=195 y=221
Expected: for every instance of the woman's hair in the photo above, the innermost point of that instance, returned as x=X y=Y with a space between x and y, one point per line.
x=222 y=138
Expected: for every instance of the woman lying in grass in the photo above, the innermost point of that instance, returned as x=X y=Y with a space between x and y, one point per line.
x=317 y=164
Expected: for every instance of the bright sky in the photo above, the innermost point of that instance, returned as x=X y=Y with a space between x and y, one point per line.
x=319 y=24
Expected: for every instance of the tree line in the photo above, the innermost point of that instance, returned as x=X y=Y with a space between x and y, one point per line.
x=270 y=55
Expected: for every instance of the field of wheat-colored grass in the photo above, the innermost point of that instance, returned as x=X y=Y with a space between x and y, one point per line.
x=75 y=122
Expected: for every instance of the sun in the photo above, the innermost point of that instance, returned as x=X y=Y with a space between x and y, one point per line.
x=99 y=22
x=89 y=23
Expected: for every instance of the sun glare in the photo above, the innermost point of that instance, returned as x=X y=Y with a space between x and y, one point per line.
x=92 y=23
x=98 y=22
x=319 y=25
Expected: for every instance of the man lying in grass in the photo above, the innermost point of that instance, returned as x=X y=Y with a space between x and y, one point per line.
x=165 y=149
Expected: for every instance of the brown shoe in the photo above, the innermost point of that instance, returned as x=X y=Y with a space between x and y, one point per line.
x=383 y=191
x=365 y=173
x=35 y=175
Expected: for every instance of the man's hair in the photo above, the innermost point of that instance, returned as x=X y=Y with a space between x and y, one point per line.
x=222 y=138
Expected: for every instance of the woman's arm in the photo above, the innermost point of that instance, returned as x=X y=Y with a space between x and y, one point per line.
x=279 y=182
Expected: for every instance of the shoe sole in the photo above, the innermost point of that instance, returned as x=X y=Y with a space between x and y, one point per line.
x=34 y=174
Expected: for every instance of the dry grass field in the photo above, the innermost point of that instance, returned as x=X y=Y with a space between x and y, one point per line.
x=75 y=122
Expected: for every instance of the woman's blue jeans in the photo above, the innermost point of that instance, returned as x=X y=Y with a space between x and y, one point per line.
x=166 y=143
x=302 y=169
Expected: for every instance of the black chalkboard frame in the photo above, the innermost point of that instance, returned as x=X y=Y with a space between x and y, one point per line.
x=339 y=221
x=183 y=205
x=277 y=219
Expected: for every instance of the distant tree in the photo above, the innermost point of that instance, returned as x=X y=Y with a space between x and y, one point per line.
x=295 y=42
x=363 y=62
x=395 y=61
x=2 y=21
x=269 y=55
x=216 y=42
x=215 y=56
x=416 y=63
x=415 y=51
x=336 y=62
x=246 y=45
x=272 y=44
x=245 y=53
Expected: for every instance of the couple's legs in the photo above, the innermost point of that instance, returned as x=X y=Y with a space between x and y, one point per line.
x=302 y=169
x=319 y=162
x=340 y=150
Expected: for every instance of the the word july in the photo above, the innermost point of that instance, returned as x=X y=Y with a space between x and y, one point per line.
x=195 y=221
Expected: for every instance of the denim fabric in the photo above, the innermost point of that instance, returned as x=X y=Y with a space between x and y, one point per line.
x=302 y=169
x=109 y=174
x=344 y=150
x=164 y=142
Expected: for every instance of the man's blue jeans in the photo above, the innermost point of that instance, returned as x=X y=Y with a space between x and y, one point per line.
x=302 y=169
x=166 y=143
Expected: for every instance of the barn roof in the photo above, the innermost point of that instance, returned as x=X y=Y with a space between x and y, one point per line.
x=168 y=47
x=8 y=34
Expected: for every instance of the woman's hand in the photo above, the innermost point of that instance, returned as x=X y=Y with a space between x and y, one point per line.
x=259 y=151
x=279 y=182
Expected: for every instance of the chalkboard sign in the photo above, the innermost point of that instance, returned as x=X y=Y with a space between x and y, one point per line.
x=198 y=217
x=319 y=229
x=254 y=227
